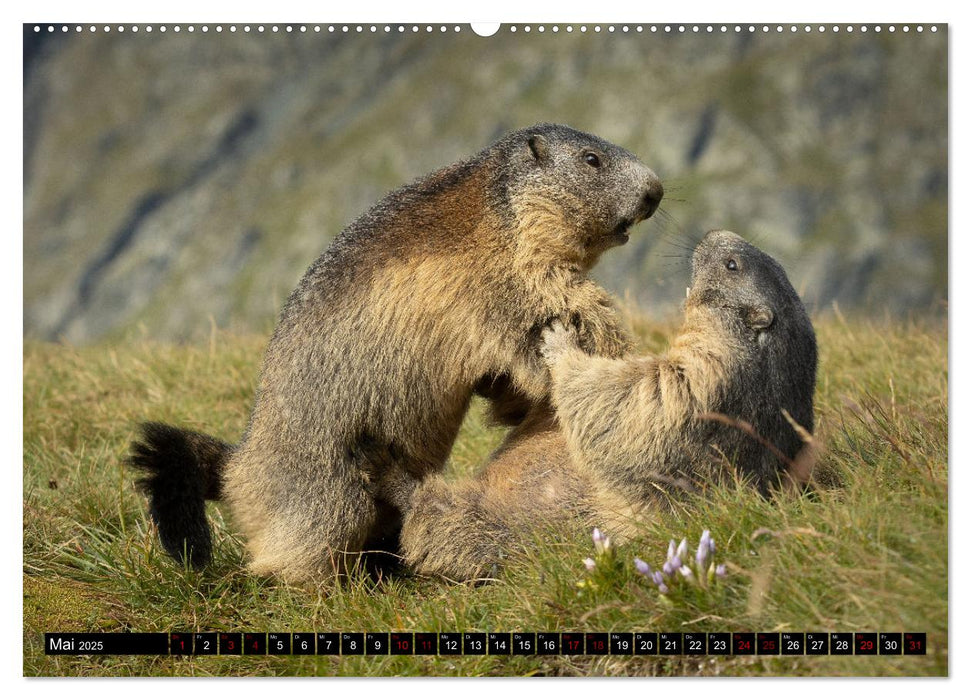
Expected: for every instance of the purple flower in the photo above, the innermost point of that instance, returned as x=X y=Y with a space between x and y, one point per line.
x=589 y=563
x=703 y=544
x=699 y=573
x=600 y=541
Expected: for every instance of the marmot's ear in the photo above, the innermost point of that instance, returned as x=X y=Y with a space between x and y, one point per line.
x=759 y=317
x=538 y=146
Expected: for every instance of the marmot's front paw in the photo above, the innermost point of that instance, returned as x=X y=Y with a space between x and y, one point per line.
x=557 y=339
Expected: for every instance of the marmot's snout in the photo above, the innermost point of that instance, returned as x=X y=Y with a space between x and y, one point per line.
x=652 y=198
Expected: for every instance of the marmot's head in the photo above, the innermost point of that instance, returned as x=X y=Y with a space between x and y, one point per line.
x=577 y=187
x=732 y=275
x=749 y=293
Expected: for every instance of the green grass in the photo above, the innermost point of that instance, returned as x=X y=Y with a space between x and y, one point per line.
x=867 y=552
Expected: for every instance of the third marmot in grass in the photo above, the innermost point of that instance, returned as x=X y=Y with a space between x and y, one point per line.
x=631 y=434
x=439 y=291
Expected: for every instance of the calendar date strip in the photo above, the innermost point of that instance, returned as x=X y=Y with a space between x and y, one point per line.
x=487 y=643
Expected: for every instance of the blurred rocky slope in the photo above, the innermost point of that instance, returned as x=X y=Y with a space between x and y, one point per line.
x=172 y=181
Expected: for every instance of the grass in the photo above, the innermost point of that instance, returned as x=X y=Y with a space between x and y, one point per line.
x=867 y=552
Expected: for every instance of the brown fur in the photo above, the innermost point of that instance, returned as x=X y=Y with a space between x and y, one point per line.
x=440 y=290
x=634 y=434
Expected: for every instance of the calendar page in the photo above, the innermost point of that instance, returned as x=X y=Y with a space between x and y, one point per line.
x=513 y=349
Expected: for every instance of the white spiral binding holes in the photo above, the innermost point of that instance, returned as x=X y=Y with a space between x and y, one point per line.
x=490 y=29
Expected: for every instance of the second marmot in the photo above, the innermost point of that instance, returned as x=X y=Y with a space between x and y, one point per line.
x=630 y=434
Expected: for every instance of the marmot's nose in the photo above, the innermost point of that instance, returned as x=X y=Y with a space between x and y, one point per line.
x=652 y=197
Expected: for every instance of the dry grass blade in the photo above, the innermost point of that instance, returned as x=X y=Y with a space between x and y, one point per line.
x=748 y=429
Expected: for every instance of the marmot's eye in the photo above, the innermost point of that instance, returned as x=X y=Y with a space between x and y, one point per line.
x=730 y=264
x=591 y=159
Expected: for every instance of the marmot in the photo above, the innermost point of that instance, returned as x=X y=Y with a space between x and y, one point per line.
x=629 y=434
x=440 y=290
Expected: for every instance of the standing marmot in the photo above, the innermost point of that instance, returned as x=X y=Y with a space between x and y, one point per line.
x=631 y=431
x=441 y=289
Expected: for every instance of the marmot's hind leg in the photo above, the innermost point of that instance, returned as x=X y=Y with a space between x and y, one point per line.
x=320 y=534
x=448 y=532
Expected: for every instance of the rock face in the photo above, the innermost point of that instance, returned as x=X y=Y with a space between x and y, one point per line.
x=173 y=181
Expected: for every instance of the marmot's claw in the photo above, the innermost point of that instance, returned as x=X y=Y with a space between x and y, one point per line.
x=557 y=338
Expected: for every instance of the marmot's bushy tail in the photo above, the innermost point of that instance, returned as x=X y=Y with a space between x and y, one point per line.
x=182 y=469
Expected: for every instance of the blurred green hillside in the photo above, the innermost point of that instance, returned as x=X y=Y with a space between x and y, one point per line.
x=173 y=181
